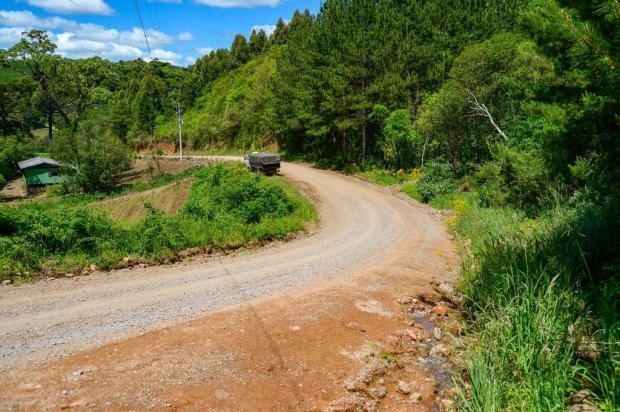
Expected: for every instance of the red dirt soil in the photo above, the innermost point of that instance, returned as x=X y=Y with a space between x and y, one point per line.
x=291 y=351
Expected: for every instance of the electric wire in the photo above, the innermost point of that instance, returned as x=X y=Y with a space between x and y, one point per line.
x=143 y=29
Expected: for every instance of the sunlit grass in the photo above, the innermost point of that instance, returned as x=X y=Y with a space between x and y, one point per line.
x=227 y=208
x=524 y=305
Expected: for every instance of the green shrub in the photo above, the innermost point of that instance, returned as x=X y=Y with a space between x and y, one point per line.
x=516 y=177
x=194 y=209
x=492 y=190
x=245 y=196
x=437 y=179
x=156 y=235
x=13 y=149
x=55 y=229
x=399 y=139
x=228 y=207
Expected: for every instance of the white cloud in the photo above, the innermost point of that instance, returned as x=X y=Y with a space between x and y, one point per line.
x=78 y=40
x=90 y=31
x=185 y=36
x=167 y=56
x=70 y=46
x=204 y=50
x=267 y=28
x=10 y=35
x=27 y=19
x=136 y=37
x=239 y=3
x=73 y=6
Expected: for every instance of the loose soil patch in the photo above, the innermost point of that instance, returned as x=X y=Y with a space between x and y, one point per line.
x=146 y=169
x=130 y=207
x=317 y=351
x=13 y=190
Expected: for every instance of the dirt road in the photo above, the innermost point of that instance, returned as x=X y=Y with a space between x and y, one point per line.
x=371 y=244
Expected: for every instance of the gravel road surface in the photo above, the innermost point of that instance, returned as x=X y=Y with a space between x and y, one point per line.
x=361 y=226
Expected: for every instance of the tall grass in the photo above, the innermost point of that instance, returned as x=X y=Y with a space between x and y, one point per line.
x=228 y=207
x=543 y=304
x=385 y=177
x=542 y=298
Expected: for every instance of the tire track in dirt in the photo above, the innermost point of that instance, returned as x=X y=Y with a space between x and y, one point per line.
x=270 y=326
x=361 y=227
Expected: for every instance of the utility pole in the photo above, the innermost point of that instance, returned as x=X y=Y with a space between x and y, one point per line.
x=180 y=127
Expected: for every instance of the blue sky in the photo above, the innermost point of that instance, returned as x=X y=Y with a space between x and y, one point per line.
x=178 y=31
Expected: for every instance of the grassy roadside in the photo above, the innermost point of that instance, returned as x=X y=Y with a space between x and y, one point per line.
x=544 y=309
x=227 y=208
x=542 y=301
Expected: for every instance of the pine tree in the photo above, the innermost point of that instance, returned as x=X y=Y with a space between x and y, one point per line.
x=258 y=43
x=240 y=51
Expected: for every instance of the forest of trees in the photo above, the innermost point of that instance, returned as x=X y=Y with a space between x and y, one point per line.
x=362 y=82
x=515 y=100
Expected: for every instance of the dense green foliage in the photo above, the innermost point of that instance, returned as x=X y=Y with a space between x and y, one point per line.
x=512 y=105
x=437 y=180
x=235 y=111
x=228 y=207
x=541 y=338
x=12 y=150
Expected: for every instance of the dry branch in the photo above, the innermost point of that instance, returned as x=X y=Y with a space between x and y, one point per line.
x=480 y=109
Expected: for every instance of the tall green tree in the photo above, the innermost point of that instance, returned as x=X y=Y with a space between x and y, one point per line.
x=72 y=86
x=399 y=141
x=147 y=103
x=490 y=87
x=280 y=32
x=239 y=51
x=258 y=42
x=35 y=56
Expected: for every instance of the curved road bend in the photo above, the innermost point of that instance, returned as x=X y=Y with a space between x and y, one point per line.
x=362 y=226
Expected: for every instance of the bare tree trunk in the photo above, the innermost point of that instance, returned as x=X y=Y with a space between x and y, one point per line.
x=364 y=135
x=363 y=122
x=73 y=131
x=480 y=109
x=50 y=123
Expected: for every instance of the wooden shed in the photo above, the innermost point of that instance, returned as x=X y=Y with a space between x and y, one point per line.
x=39 y=172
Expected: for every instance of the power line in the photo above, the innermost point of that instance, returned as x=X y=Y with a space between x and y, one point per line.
x=143 y=30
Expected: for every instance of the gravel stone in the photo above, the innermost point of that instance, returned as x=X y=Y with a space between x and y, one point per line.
x=415 y=397
x=404 y=388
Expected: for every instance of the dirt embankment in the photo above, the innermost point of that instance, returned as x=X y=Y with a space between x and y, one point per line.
x=323 y=322
x=128 y=207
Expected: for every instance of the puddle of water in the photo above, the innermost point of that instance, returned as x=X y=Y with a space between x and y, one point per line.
x=440 y=369
x=426 y=324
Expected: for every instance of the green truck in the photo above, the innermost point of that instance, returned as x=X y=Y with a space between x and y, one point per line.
x=268 y=163
x=40 y=172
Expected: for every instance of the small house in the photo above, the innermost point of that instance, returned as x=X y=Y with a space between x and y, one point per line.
x=39 y=172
